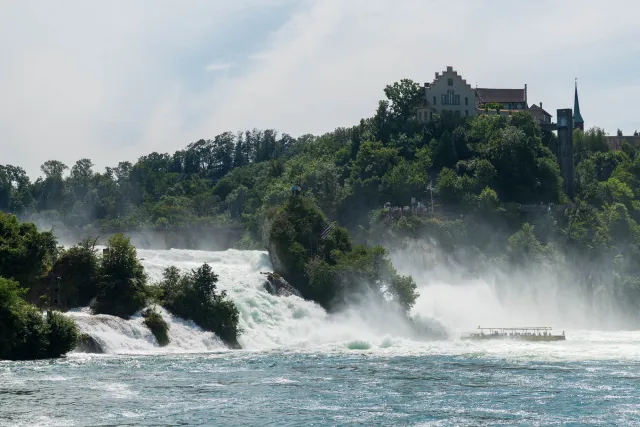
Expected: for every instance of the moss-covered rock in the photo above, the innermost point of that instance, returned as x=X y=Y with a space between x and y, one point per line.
x=88 y=344
x=159 y=328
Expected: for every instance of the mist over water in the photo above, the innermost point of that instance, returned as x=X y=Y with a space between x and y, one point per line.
x=535 y=295
x=459 y=301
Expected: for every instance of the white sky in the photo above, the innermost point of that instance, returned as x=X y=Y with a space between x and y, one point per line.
x=113 y=80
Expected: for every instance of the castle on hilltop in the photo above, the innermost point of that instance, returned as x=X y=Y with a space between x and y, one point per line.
x=449 y=92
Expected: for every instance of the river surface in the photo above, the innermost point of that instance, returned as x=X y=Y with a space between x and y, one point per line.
x=300 y=366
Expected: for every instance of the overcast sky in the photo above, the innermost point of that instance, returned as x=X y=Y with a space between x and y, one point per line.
x=113 y=80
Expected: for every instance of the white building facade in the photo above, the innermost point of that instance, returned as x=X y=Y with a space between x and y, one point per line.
x=448 y=92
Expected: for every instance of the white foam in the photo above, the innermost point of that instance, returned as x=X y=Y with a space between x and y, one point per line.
x=121 y=336
x=292 y=324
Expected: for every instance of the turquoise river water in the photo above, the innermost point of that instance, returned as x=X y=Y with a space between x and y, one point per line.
x=302 y=367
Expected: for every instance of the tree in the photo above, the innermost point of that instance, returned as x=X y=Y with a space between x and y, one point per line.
x=53 y=169
x=121 y=280
x=204 y=282
x=443 y=151
x=404 y=96
x=25 y=253
x=76 y=272
x=527 y=171
x=525 y=247
x=25 y=334
x=193 y=296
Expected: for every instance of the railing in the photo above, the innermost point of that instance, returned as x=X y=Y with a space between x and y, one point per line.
x=327 y=230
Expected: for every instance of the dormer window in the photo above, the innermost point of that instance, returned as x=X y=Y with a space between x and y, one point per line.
x=450 y=82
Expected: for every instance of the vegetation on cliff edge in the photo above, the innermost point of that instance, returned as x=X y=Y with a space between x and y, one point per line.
x=193 y=296
x=327 y=268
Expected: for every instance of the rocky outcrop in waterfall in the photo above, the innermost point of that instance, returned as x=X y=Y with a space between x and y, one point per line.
x=276 y=285
x=276 y=263
x=88 y=344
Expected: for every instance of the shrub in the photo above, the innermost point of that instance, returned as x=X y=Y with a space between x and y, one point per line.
x=25 y=334
x=159 y=328
x=193 y=296
x=63 y=334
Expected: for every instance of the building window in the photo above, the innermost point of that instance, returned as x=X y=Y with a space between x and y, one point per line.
x=466 y=113
x=434 y=100
x=450 y=82
x=466 y=100
x=450 y=98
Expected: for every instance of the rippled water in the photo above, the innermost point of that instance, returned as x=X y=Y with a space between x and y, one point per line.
x=294 y=389
x=302 y=367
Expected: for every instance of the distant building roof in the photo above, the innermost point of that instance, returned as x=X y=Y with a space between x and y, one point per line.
x=426 y=105
x=535 y=108
x=501 y=95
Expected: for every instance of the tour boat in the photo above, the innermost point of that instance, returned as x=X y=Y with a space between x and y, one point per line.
x=536 y=333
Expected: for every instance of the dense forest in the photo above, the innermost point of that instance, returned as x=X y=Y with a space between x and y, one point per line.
x=478 y=178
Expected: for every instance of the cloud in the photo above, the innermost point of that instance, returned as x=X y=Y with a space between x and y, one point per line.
x=119 y=80
x=218 y=66
x=327 y=66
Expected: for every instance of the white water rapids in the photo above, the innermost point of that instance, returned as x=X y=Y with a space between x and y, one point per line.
x=292 y=324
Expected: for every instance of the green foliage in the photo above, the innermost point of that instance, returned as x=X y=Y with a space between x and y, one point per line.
x=193 y=296
x=159 y=328
x=121 y=280
x=62 y=334
x=484 y=170
x=328 y=268
x=25 y=334
x=25 y=253
x=524 y=247
x=76 y=272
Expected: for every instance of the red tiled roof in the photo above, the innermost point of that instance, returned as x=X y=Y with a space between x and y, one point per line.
x=501 y=95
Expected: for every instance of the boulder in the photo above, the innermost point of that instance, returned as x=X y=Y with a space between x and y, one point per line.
x=88 y=344
x=276 y=285
x=276 y=263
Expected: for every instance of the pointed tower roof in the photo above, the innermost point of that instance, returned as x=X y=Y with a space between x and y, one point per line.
x=577 y=117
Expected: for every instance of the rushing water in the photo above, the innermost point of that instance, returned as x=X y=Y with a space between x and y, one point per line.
x=300 y=366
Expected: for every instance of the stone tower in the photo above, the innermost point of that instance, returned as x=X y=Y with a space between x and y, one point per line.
x=578 y=123
x=565 y=149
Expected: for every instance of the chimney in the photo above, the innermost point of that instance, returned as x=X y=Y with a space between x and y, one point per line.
x=525 y=93
x=541 y=105
x=437 y=74
x=449 y=68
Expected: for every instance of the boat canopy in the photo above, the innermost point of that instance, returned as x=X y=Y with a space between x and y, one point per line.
x=527 y=328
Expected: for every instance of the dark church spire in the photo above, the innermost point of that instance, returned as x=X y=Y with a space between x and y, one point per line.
x=578 y=123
